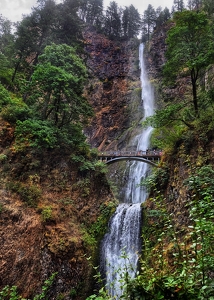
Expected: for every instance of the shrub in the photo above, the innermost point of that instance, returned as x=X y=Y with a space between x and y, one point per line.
x=47 y=213
x=4 y=96
x=35 y=133
x=29 y=194
x=12 y=113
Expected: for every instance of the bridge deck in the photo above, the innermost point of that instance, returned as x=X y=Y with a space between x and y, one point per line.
x=143 y=154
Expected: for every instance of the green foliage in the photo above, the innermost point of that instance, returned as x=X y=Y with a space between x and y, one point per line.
x=157 y=180
x=58 y=111
x=190 y=49
x=174 y=265
x=56 y=87
x=94 y=232
x=29 y=194
x=14 y=112
x=4 y=96
x=102 y=296
x=1 y=207
x=34 y=133
x=46 y=287
x=47 y=213
x=72 y=136
x=165 y=116
x=11 y=293
x=86 y=165
x=99 y=228
x=88 y=239
x=73 y=292
x=3 y=157
x=100 y=168
x=169 y=124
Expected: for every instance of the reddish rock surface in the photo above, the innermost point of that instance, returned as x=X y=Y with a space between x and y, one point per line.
x=114 y=75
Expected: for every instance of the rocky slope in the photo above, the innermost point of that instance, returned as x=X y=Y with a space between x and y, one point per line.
x=47 y=207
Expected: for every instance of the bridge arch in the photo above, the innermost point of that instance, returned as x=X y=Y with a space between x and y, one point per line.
x=116 y=159
x=129 y=158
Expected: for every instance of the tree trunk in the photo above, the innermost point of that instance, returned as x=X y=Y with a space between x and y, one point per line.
x=16 y=68
x=194 y=77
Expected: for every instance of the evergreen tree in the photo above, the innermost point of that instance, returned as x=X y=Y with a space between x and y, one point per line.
x=6 y=37
x=178 y=5
x=131 y=22
x=91 y=11
x=33 y=34
x=194 y=4
x=208 y=6
x=162 y=16
x=68 y=25
x=47 y=23
x=6 y=51
x=149 y=20
x=112 y=23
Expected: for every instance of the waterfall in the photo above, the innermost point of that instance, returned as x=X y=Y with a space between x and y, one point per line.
x=121 y=245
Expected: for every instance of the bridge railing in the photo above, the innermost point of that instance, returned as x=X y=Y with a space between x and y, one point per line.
x=141 y=153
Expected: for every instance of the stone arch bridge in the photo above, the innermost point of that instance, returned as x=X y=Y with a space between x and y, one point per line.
x=151 y=157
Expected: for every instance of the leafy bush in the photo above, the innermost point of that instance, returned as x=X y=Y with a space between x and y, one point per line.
x=99 y=228
x=29 y=194
x=11 y=293
x=14 y=112
x=35 y=133
x=3 y=157
x=47 y=213
x=173 y=265
x=4 y=96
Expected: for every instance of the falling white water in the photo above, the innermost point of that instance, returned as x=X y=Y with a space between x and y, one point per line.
x=120 y=247
x=138 y=171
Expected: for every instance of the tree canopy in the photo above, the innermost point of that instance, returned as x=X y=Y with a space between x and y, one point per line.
x=56 y=86
x=190 y=48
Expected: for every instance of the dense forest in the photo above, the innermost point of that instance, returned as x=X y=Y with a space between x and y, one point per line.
x=43 y=75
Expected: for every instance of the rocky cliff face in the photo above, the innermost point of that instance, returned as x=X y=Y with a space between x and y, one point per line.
x=114 y=90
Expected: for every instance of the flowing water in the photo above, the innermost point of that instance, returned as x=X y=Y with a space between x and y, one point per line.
x=121 y=245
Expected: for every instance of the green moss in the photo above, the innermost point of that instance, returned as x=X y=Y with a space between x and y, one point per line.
x=29 y=194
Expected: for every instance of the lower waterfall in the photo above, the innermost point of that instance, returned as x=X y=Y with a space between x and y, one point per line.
x=121 y=245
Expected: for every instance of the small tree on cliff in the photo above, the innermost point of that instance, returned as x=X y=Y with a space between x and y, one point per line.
x=178 y=5
x=56 y=87
x=190 y=49
x=131 y=22
x=148 y=21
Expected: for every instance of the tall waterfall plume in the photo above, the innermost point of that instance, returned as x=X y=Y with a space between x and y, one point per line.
x=121 y=245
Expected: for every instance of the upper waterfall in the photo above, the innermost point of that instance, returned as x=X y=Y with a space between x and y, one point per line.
x=138 y=171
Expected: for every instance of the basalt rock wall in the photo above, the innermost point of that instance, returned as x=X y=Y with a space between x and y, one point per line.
x=114 y=90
